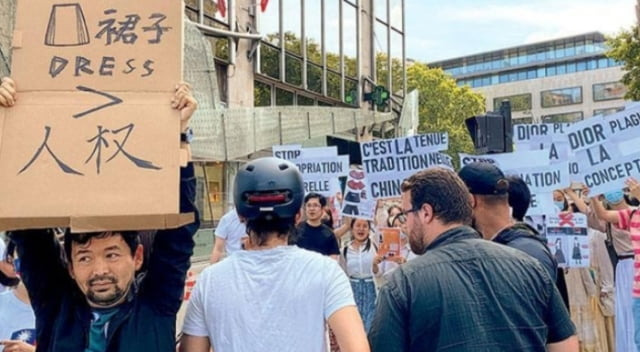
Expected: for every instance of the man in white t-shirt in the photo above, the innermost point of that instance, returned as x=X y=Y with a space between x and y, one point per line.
x=17 y=320
x=272 y=296
x=229 y=233
x=3 y=246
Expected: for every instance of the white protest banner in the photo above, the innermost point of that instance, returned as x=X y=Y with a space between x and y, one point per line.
x=588 y=133
x=540 y=203
x=567 y=239
x=388 y=162
x=357 y=202
x=541 y=179
x=287 y=152
x=320 y=167
x=546 y=133
x=610 y=175
x=534 y=158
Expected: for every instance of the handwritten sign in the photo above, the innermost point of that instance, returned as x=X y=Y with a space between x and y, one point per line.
x=93 y=142
x=388 y=162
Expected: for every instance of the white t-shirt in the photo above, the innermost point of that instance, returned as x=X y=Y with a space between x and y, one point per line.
x=17 y=320
x=3 y=248
x=268 y=300
x=231 y=230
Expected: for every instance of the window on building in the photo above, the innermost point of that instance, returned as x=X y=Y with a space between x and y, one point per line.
x=564 y=117
x=559 y=97
x=284 y=97
x=305 y=100
x=349 y=38
x=382 y=54
x=522 y=120
x=607 y=111
x=261 y=94
x=293 y=70
x=609 y=91
x=313 y=30
x=519 y=102
x=332 y=33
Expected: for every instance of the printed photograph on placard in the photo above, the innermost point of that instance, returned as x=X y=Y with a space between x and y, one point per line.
x=389 y=242
x=567 y=239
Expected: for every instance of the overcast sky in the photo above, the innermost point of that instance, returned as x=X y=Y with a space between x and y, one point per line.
x=445 y=29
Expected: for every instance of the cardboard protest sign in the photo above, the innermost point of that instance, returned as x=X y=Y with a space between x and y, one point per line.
x=567 y=239
x=93 y=143
x=320 y=167
x=357 y=202
x=388 y=162
x=390 y=243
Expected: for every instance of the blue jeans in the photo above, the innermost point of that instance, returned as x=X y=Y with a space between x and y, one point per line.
x=636 y=322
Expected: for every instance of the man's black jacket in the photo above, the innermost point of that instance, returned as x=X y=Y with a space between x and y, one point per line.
x=145 y=322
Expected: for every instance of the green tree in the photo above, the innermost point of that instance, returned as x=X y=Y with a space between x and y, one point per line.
x=625 y=47
x=444 y=106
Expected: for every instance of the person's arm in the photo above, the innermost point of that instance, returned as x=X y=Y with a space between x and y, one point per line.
x=603 y=214
x=569 y=345
x=389 y=330
x=42 y=268
x=173 y=248
x=344 y=228
x=346 y=324
x=577 y=200
x=7 y=92
x=17 y=346
x=333 y=249
x=634 y=187
x=218 y=249
x=190 y=343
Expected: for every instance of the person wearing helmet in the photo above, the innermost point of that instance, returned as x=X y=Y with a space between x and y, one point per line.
x=272 y=296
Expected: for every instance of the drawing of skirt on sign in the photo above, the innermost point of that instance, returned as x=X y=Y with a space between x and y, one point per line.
x=67 y=26
x=559 y=254
x=577 y=254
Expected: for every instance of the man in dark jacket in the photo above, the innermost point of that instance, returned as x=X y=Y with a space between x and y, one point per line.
x=97 y=300
x=492 y=217
x=464 y=293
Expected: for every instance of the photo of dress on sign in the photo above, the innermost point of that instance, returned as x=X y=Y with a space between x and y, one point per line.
x=568 y=240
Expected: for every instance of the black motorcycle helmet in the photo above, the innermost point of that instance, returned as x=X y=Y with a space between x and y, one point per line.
x=268 y=187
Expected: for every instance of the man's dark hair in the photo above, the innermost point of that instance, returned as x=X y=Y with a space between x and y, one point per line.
x=132 y=239
x=263 y=227
x=519 y=197
x=444 y=191
x=322 y=199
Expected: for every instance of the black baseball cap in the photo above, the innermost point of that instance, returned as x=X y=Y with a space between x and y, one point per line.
x=484 y=179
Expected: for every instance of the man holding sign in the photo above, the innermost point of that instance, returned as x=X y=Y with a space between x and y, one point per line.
x=97 y=300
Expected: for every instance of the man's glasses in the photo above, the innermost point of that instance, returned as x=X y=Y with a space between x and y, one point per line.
x=406 y=213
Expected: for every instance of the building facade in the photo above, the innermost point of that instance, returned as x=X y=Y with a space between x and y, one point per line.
x=562 y=80
x=267 y=61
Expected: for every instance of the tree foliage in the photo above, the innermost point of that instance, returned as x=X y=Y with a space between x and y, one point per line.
x=444 y=106
x=625 y=47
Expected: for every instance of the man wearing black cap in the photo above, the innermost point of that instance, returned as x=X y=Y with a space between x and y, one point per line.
x=489 y=189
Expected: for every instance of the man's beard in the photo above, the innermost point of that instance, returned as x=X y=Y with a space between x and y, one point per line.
x=416 y=239
x=8 y=281
x=105 y=299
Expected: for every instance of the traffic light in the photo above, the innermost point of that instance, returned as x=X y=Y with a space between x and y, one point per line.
x=492 y=133
x=379 y=96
